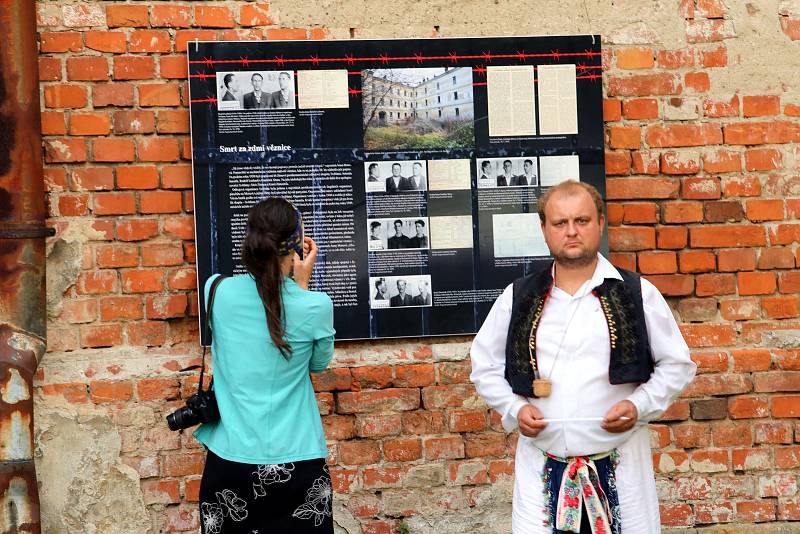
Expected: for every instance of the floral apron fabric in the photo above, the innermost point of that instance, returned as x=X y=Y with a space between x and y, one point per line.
x=239 y=498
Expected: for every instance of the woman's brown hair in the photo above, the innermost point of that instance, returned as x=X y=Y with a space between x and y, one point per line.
x=270 y=223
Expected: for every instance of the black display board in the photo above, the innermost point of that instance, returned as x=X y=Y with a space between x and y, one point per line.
x=417 y=163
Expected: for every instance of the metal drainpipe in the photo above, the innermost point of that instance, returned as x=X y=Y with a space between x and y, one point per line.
x=22 y=263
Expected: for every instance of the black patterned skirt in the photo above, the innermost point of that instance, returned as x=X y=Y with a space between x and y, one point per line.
x=264 y=499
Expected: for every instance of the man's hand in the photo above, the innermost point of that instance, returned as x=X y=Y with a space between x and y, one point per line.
x=529 y=419
x=621 y=417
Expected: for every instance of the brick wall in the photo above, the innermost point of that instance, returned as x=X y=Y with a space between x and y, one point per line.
x=704 y=199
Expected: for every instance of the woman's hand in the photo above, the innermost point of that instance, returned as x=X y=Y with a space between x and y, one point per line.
x=304 y=267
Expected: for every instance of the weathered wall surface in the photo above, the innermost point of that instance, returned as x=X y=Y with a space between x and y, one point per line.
x=702 y=160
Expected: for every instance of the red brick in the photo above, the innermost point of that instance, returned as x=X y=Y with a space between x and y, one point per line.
x=134 y=67
x=415 y=375
x=113 y=203
x=391 y=399
x=466 y=420
x=173 y=16
x=286 y=34
x=160 y=254
x=675 y=59
x=79 y=311
x=785 y=234
x=116 y=308
x=709 y=335
x=698 y=82
x=159 y=94
x=681 y=212
x=183 y=464
x=680 y=163
x=709 y=31
x=359 y=452
x=676 y=515
x=118 y=15
x=130 y=121
x=112 y=94
x=717 y=57
x=165 y=306
x=617 y=163
x=112 y=149
x=213 y=17
x=761 y=106
x=96 y=336
x=678 y=135
x=744 y=186
x=59 y=42
x=87 y=68
x=722 y=161
x=160 y=202
x=657 y=262
x=748 y=407
x=142 y=281
x=255 y=14
x=755 y=511
x=640 y=213
x=776 y=381
x=739 y=309
x=444 y=448
x=673 y=285
x=640 y=109
x=672 y=237
x=97 y=282
x=89 y=124
x=182 y=227
x=763 y=159
x=701 y=188
x=765 y=210
x=645 y=85
x=158 y=149
x=161 y=491
x=173 y=67
x=714 y=284
x=137 y=177
x=49 y=69
x=732 y=260
x=631 y=238
x=173 y=121
x=186 y=278
x=64 y=96
x=728 y=434
x=776 y=258
x=55 y=179
x=112 y=42
x=74 y=393
x=73 y=205
x=147 y=333
x=448 y=396
x=624 y=137
x=727 y=236
x=612 y=110
x=150 y=41
x=756 y=283
x=103 y=391
x=635 y=58
x=749 y=360
x=137 y=229
x=789 y=282
x=641 y=188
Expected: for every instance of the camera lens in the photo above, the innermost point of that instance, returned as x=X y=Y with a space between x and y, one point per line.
x=182 y=418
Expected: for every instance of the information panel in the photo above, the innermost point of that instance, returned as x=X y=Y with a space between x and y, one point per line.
x=417 y=163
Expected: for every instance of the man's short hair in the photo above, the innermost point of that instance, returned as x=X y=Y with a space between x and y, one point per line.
x=506 y=161
x=527 y=161
x=398 y=221
x=401 y=280
x=373 y=166
x=393 y=164
x=227 y=79
x=486 y=163
x=417 y=163
x=570 y=187
x=253 y=77
x=379 y=281
x=420 y=222
x=374 y=224
x=284 y=73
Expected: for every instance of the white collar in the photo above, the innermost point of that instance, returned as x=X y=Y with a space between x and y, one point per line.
x=604 y=269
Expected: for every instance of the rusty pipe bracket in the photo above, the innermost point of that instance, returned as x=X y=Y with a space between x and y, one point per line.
x=25 y=231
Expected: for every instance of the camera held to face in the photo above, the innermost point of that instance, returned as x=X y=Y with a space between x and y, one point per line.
x=200 y=408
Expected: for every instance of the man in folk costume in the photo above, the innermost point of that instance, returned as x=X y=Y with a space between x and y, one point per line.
x=580 y=356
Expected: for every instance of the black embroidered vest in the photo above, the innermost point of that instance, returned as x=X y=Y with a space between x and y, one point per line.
x=621 y=301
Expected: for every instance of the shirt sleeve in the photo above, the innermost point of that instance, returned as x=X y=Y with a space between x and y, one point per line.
x=322 y=352
x=488 y=355
x=674 y=369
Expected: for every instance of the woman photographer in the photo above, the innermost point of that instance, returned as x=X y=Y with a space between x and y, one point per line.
x=265 y=468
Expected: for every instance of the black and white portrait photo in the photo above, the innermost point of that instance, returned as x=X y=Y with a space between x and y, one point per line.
x=508 y=172
x=395 y=176
x=400 y=291
x=399 y=233
x=255 y=90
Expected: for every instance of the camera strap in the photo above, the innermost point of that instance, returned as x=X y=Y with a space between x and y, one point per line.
x=207 y=327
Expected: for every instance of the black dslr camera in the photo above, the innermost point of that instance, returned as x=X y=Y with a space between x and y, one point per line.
x=200 y=408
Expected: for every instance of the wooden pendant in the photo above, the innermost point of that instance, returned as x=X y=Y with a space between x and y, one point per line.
x=542 y=387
